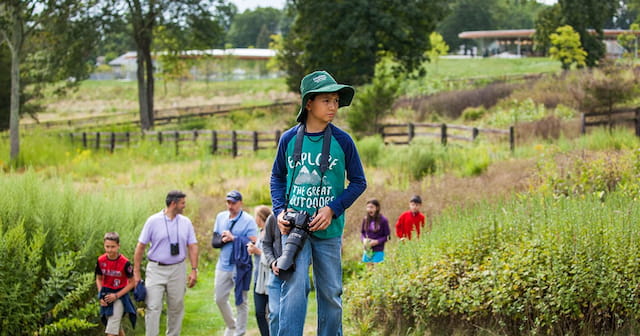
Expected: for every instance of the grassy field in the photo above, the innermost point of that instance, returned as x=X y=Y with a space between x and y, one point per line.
x=95 y=190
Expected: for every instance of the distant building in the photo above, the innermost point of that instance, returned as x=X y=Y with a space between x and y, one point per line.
x=519 y=42
x=211 y=64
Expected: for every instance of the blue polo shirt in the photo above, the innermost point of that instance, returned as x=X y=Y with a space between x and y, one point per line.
x=245 y=226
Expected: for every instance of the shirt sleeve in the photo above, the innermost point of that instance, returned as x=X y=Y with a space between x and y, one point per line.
x=98 y=269
x=128 y=269
x=355 y=174
x=279 y=173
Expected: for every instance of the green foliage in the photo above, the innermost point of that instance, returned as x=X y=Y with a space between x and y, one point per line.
x=46 y=265
x=371 y=150
x=534 y=265
x=547 y=22
x=630 y=41
x=606 y=87
x=589 y=15
x=473 y=113
x=253 y=27
x=374 y=101
x=438 y=47
x=346 y=37
x=566 y=47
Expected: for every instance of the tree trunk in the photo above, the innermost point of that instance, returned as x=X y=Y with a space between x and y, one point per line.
x=145 y=122
x=14 y=119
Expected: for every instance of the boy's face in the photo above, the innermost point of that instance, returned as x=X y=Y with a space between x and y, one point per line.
x=111 y=248
x=323 y=107
x=414 y=207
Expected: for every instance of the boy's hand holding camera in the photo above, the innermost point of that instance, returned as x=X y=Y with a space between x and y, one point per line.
x=322 y=219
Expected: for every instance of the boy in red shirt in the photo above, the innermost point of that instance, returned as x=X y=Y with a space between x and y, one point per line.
x=410 y=220
x=114 y=279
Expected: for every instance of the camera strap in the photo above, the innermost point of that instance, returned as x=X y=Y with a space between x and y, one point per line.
x=297 y=156
x=166 y=226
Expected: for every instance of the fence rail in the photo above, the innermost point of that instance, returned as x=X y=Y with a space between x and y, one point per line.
x=162 y=116
x=615 y=117
x=405 y=133
x=232 y=142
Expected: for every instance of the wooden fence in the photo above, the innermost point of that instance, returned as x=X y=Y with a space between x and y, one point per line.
x=232 y=142
x=616 y=117
x=405 y=133
x=162 y=116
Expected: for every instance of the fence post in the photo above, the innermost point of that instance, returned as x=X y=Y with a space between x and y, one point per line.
x=97 y=140
x=71 y=136
x=638 y=121
x=512 y=138
x=214 y=142
x=84 y=139
x=474 y=133
x=255 y=141
x=160 y=137
x=583 y=124
x=277 y=137
x=443 y=137
x=411 y=132
x=177 y=135
x=113 y=141
x=128 y=139
x=234 y=144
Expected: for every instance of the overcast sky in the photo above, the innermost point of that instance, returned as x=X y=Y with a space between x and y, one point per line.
x=253 y=4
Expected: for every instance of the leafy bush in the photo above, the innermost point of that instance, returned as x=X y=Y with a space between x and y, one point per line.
x=534 y=265
x=374 y=100
x=50 y=237
x=371 y=150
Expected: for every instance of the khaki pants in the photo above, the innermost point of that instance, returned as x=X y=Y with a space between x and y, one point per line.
x=113 y=322
x=224 y=287
x=171 y=280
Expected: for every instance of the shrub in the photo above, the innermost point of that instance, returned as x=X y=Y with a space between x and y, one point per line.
x=50 y=237
x=371 y=149
x=536 y=265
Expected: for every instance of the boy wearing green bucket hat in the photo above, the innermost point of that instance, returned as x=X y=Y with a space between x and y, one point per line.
x=308 y=176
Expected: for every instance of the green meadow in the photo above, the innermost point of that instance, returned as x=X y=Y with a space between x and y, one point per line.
x=539 y=240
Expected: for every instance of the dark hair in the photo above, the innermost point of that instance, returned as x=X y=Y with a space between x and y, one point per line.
x=174 y=196
x=375 y=218
x=114 y=236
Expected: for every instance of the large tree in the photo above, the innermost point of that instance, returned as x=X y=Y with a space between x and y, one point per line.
x=253 y=27
x=346 y=38
x=48 y=42
x=586 y=15
x=143 y=17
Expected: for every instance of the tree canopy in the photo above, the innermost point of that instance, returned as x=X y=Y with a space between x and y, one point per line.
x=253 y=27
x=346 y=37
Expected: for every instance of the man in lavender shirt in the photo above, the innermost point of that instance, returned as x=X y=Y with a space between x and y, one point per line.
x=172 y=239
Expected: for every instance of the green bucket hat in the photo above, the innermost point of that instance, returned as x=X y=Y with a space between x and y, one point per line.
x=322 y=82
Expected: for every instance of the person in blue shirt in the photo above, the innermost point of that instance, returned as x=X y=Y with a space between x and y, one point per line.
x=233 y=269
x=299 y=183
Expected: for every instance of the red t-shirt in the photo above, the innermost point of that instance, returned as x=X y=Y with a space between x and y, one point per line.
x=115 y=273
x=407 y=222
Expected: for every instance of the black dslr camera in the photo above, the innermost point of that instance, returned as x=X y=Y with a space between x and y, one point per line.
x=299 y=223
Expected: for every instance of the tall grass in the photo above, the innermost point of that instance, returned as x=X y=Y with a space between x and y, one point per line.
x=50 y=237
x=534 y=265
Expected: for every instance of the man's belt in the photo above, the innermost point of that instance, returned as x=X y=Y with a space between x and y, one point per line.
x=165 y=264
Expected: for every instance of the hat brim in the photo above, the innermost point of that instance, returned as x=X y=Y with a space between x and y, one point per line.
x=345 y=92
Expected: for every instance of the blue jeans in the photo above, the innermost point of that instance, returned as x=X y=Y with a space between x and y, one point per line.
x=327 y=275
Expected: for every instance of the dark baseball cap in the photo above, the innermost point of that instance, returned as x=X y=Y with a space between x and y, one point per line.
x=234 y=196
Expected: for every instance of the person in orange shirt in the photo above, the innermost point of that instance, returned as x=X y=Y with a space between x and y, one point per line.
x=410 y=220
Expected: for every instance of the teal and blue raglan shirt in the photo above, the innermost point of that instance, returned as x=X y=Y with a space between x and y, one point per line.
x=311 y=190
